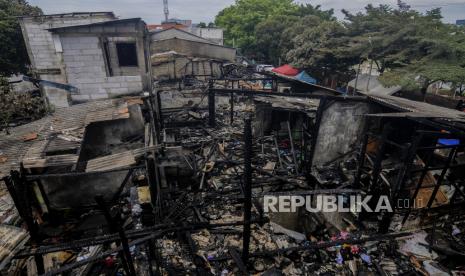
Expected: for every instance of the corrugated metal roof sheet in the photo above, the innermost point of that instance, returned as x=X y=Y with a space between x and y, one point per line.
x=419 y=109
x=64 y=127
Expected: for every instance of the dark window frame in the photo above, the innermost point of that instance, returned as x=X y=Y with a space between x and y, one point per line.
x=125 y=57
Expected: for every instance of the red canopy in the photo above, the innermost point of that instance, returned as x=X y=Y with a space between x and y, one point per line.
x=286 y=70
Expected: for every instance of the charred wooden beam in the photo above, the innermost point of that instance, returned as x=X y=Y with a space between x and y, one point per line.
x=237 y=259
x=211 y=106
x=441 y=177
x=115 y=226
x=247 y=188
x=362 y=152
x=315 y=130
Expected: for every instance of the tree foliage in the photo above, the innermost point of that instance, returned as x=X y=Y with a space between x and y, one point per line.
x=13 y=55
x=257 y=26
x=323 y=48
x=18 y=107
x=410 y=48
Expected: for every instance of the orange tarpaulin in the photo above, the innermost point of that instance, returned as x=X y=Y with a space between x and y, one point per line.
x=286 y=70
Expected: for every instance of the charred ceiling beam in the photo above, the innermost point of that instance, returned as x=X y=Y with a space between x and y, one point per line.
x=245 y=92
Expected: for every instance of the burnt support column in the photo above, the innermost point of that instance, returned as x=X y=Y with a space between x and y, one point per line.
x=379 y=157
x=115 y=226
x=441 y=177
x=17 y=186
x=154 y=126
x=404 y=172
x=153 y=180
x=424 y=172
x=231 y=111
x=159 y=110
x=247 y=188
x=408 y=163
x=315 y=130
x=362 y=152
x=211 y=106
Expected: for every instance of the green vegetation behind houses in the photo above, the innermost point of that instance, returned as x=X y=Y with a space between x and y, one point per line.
x=13 y=55
x=410 y=48
x=15 y=107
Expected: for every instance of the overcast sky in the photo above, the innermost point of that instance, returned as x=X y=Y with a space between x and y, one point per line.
x=205 y=10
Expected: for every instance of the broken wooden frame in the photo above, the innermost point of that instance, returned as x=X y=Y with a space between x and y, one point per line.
x=419 y=136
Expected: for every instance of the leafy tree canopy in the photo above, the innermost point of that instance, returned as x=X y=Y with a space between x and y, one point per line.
x=13 y=55
x=412 y=49
x=252 y=24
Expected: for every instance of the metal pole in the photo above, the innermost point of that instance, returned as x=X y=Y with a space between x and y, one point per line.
x=294 y=157
x=231 y=112
x=362 y=152
x=247 y=188
x=160 y=111
x=441 y=177
x=315 y=130
x=211 y=105
x=379 y=157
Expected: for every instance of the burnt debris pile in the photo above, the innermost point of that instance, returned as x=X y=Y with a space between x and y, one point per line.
x=224 y=177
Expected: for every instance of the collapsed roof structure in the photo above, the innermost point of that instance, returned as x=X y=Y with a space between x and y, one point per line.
x=174 y=181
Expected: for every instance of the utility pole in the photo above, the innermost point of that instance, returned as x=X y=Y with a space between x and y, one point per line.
x=165 y=8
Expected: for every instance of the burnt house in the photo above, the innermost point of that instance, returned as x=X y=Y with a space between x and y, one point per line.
x=174 y=182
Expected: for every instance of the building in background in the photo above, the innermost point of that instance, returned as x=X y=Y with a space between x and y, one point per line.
x=177 y=53
x=460 y=22
x=187 y=43
x=216 y=35
x=213 y=34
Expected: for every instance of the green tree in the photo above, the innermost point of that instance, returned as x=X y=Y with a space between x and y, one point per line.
x=411 y=49
x=240 y=20
x=13 y=55
x=18 y=107
x=271 y=39
x=322 y=48
x=308 y=9
x=14 y=59
x=258 y=27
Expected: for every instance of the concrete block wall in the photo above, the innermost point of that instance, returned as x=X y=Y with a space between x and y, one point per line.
x=215 y=35
x=42 y=52
x=40 y=39
x=85 y=67
x=117 y=70
x=194 y=49
x=175 y=33
x=341 y=128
